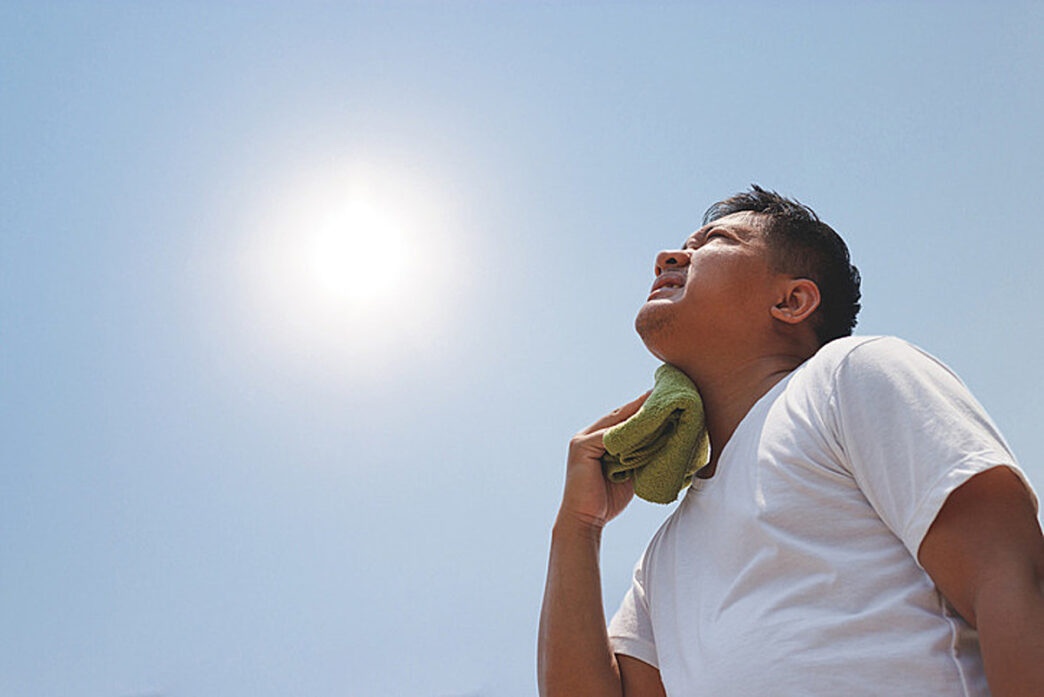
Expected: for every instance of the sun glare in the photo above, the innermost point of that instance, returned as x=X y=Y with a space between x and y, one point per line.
x=354 y=249
x=352 y=268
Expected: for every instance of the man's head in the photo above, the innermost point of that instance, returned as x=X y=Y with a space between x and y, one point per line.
x=803 y=246
x=762 y=274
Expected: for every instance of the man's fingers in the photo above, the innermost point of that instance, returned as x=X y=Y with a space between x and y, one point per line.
x=618 y=415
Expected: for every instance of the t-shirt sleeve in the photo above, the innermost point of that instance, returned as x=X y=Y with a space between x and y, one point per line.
x=630 y=630
x=911 y=433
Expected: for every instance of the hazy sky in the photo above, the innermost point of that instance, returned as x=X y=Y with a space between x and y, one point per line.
x=300 y=304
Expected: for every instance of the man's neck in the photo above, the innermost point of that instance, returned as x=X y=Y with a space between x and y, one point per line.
x=730 y=393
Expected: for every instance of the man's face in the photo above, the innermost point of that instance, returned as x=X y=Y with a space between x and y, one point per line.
x=715 y=291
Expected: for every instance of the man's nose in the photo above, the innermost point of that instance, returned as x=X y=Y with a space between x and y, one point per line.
x=677 y=259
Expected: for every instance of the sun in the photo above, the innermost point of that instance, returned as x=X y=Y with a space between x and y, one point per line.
x=355 y=253
x=353 y=269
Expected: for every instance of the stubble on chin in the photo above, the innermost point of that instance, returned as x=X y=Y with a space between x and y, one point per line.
x=652 y=327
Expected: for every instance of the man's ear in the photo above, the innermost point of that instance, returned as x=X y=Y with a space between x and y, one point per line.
x=800 y=298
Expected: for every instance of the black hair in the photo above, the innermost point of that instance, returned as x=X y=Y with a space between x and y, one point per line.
x=805 y=247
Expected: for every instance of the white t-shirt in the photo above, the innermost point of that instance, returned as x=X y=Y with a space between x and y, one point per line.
x=793 y=570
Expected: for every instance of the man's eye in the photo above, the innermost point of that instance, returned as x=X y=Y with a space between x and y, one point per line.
x=693 y=245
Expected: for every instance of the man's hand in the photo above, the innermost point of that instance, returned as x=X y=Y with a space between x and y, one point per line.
x=589 y=497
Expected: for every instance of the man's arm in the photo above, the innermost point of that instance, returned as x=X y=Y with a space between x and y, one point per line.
x=574 y=657
x=574 y=654
x=985 y=553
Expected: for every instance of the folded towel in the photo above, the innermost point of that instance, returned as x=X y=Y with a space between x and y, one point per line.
x=664 y=444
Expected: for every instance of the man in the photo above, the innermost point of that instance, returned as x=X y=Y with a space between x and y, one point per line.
x=861 y=527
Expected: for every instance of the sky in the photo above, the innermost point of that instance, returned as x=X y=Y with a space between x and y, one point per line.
x=300 y=304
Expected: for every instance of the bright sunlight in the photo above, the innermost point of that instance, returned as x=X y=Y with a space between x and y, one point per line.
x=352 y=268
x=357 y=250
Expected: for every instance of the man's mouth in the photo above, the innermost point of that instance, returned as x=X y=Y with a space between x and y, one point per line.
x=667 y=280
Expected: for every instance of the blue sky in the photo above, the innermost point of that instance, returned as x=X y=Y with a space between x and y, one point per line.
x=218 y=478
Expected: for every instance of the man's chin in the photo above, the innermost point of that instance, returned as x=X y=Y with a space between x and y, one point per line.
x=652 y=326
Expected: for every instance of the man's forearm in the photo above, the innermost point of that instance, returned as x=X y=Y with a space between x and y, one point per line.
x=1010 y=621
x=574 y=657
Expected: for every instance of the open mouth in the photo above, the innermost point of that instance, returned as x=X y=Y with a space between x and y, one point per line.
x=666 y=283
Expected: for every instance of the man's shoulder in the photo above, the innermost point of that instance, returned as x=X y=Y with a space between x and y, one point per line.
x=875 y=359
x=863 y=356
x=839 y=349
x=869 y=348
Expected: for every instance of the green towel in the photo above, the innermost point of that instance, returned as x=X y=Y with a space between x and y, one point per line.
x=664 y=444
